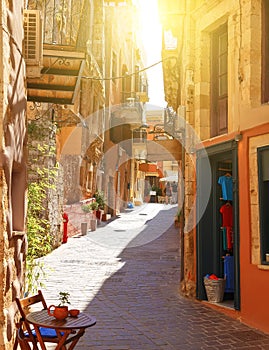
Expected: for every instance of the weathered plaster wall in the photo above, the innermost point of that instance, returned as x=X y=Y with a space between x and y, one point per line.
x=13 y=240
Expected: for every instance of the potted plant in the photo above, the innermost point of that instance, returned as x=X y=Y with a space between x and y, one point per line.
x=100 y=199
x=93 y=222
x=60 y=312
x=86 y=208
x=63 y=298
x=94 y=206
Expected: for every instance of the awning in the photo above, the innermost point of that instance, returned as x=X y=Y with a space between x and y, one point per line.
x=170 y=178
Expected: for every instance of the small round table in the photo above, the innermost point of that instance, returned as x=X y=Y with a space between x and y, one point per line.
x=64 y=328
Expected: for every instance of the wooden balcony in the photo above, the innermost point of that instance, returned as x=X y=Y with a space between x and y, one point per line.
x=59 y=81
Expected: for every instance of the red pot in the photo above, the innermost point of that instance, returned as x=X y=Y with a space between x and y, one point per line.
x=59 y=312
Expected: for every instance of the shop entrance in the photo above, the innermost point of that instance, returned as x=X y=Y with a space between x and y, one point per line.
x=218 y=230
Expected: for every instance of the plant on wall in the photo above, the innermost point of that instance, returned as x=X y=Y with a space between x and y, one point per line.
x=41 y=180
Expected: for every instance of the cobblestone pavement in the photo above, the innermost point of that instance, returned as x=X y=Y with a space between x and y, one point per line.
x=126 y=274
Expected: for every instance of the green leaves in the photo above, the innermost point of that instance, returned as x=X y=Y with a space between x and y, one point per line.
x=42 y=175
x=64 y=298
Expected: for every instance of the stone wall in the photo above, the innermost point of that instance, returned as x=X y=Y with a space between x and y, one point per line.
x=13 y=240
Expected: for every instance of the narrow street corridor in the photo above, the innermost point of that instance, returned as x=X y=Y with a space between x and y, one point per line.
x=126 y=274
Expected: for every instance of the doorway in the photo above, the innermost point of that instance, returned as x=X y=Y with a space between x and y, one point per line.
x=217 y=246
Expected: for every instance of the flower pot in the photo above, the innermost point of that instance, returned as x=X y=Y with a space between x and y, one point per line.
x=59 y=312
x=84 y=227
x=93 y=224
x=99 y=214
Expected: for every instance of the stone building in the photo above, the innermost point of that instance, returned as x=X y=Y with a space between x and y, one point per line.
x=215 y=60
x=13 y=165
x=126 y=92
x=53 y=69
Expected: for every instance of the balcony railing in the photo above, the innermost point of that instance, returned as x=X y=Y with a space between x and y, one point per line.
x=130 y=113
x=61 y=20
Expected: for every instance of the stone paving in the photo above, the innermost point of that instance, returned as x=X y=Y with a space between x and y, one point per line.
x=126 y=274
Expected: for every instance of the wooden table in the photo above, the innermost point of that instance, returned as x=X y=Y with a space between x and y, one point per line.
x=64 y=328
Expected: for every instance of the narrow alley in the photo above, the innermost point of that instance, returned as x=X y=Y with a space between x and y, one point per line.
x=126 y=274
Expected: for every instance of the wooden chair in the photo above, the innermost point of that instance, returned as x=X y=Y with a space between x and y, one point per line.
x=22 y=341
x=25 y=306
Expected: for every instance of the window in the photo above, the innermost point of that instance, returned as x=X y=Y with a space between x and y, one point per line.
x=126 y=84
x=265 y=51
x=263 y=173
x=219 y=82
x=139 y=136
x=114 y=66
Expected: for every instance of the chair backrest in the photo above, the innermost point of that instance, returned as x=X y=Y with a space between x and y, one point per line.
x=25 y=303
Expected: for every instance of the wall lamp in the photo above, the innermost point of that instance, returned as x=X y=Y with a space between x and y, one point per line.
x=238 y=137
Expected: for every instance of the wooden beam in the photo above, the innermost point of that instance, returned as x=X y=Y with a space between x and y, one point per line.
x=60 y=101
x=55 y=71
x=52 y=87
x=77 y=87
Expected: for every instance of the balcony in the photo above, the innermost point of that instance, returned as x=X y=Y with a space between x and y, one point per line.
x=56 y=32
x=59 y=81
x=129 y=113
x=125 y=118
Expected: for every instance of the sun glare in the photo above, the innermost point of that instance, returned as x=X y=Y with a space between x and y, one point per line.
x=151 y=33
x=150 y=26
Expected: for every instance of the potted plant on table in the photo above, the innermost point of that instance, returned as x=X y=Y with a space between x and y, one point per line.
x=60 y=312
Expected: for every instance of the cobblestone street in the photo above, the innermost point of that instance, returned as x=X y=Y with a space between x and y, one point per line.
x=126 y=274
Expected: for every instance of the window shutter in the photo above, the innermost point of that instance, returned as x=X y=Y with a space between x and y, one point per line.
x=33 y=42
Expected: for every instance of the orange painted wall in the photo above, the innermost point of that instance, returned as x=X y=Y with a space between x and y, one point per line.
x=254 y=281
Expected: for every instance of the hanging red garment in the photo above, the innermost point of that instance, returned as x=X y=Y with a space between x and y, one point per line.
x=226 y=211
x=229 y=235
x=227 y=215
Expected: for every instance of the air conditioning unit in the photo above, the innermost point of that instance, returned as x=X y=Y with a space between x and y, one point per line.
x=33 y=43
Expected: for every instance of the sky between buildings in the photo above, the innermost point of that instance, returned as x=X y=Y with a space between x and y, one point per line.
x=152 y=40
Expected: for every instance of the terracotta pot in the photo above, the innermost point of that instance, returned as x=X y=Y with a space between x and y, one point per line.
x=59 y=312
x=93 y=224
x=99 y=214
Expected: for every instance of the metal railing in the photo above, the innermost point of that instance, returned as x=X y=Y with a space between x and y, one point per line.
x=61 y=20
